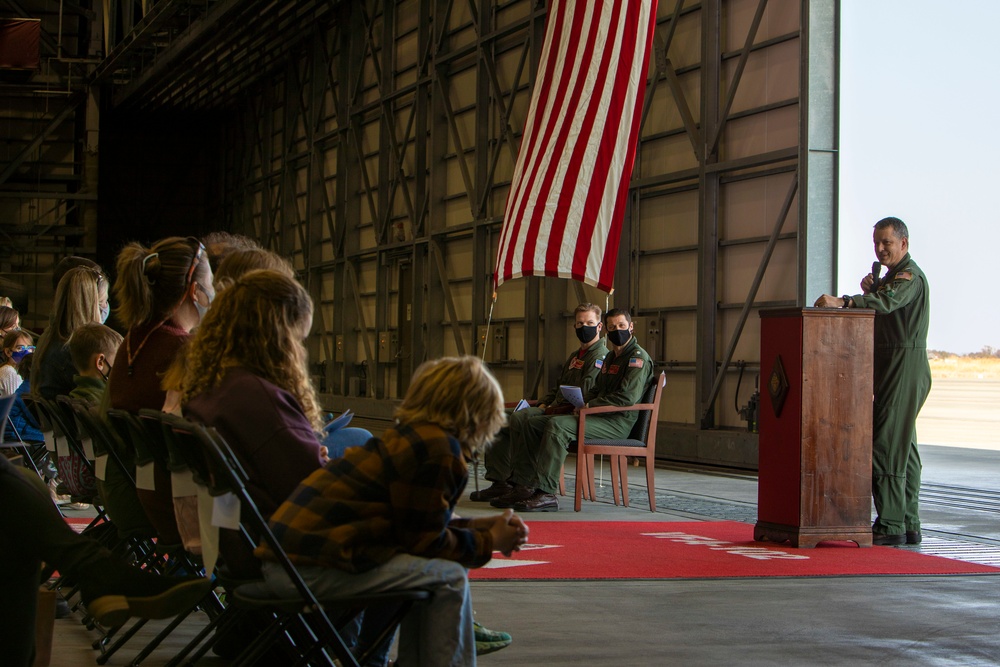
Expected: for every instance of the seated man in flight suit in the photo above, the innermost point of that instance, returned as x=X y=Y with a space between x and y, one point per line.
x=580 y=370
x=625 y=373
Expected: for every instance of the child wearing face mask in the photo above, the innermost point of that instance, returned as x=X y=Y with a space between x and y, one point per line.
x=93 y=348
x=17 y=345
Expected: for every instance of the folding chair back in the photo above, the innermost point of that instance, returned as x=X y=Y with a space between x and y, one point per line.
x=5 y=404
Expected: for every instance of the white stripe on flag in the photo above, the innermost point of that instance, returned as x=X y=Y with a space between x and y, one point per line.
x=570 y=182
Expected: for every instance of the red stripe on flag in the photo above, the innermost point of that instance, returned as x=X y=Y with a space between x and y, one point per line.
x=576 y=161
x=570 y=184
x=518 y=196
x=614 y=237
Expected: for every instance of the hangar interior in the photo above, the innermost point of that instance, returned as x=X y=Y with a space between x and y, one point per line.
x=373 y=142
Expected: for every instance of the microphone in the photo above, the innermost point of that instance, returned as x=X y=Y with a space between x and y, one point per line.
x=876 y=269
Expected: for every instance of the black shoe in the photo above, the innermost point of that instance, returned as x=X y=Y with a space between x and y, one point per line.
x=518 y=494
x=883 y=540
x=538 y=502
x=113 y=592
x=914 y=537
x=497 y=490
x=62 y=608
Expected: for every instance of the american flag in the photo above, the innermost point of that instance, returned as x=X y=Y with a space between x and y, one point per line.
x=568 y=193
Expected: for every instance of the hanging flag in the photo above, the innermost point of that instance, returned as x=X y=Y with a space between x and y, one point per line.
x=567 y=199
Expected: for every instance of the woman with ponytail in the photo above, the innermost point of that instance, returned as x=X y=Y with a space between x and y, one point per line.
x=162 y=293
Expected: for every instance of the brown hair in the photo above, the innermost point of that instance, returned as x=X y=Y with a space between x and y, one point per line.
x=257 y=323
x=8 y=318
x=91 y=339
x=588 y=308
x=10 y=341
x=152 y=281
x=460 y=395
x=243 y=260
x=78 y=302
x=220 y=244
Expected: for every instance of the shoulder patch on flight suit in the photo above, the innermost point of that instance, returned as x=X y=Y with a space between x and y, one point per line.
x=635 y=362
x=905 y=275
x=599 y=363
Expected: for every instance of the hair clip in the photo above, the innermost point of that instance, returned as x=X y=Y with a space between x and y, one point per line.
x=146 y=259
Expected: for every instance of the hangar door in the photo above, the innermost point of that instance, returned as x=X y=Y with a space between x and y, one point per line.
x=378 y=157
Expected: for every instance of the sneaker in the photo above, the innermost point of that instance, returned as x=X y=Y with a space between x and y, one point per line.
x=58 y=498
x=74 y=506
x=489 y=641
x=113 y=592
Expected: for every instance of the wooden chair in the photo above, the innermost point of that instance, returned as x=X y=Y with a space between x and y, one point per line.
x=641 y=442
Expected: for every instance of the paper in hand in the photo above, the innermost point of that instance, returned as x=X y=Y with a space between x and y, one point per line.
x=521 y=405
x=574 y=395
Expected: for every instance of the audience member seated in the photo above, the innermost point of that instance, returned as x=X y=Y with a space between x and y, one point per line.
x=381 y=518
x=10 y=320
x=93 y=348
x=81 y=298
x=524 y=426
x=162 y=294
x=22 y=427
x=111 y=590
x=242 y=260
x=625 y=373
x=245 y=374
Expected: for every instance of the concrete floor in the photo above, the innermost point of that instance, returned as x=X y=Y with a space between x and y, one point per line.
x=886 y=620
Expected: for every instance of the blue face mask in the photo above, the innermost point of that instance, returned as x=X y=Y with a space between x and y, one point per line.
x=17 y=355
x=105 y=311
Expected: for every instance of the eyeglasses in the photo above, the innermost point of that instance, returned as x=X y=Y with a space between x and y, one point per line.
x=198 y=254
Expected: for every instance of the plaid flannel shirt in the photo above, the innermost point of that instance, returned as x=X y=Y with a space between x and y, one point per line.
x=394 y=495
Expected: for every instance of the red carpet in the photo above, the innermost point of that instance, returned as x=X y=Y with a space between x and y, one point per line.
x=658 y=550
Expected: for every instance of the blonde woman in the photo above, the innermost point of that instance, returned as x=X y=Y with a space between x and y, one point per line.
x=81 y=298
x=382 y=517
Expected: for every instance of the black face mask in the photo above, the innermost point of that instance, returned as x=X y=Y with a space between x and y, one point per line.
x=619 y=336
x=586 y=334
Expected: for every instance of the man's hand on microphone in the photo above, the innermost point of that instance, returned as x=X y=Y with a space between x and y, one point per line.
x=866 y=283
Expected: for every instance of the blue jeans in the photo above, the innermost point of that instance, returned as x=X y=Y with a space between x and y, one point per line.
x=436 y=632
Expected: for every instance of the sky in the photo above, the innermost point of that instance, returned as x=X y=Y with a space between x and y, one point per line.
x=919 y=141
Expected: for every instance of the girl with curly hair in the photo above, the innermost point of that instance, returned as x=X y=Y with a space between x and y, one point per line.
x=245 y=373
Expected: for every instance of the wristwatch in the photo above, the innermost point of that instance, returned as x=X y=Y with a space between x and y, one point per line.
x=847 y=301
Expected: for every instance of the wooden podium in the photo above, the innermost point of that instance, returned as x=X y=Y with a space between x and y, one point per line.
x=815 y=443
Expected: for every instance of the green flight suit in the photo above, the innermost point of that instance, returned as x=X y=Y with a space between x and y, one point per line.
x=580 y=370
x=622 y=381
x=902 y=382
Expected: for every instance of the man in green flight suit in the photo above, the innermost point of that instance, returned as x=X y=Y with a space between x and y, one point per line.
x=580 y=370
x=901 y=300
x=625 y=374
